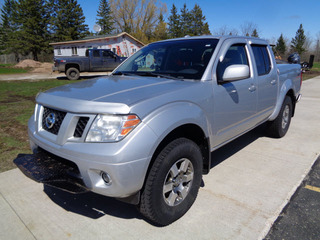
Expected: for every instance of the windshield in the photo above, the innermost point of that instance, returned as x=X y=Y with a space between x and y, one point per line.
x=181 y=59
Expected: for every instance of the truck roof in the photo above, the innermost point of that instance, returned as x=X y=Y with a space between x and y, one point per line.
x=220 y=37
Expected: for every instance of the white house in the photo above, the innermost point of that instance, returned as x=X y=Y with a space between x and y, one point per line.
x=123 y=44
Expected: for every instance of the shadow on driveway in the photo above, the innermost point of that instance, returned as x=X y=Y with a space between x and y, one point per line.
x=95 y=206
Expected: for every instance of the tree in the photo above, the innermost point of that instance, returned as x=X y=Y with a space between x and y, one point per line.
x=8 y=26
x=161 y=32
x=188 y=22
x=281 y=47
x=297 y=43
x=67 y=20
x=32 y=34
x=198 y=24
x=174 y=23
x=137 y=17
x=105 y=18
x=185 y=21
x=255 y=33
x=247 y=29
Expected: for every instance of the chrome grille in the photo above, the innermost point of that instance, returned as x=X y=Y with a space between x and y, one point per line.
x=52 y=120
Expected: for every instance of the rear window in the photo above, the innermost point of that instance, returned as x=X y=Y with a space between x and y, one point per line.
x=262 y=59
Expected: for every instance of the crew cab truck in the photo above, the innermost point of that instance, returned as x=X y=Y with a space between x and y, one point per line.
x=96 y=60
x=145 y=133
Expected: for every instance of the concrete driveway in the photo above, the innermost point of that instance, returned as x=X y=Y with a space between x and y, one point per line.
x=251 y=181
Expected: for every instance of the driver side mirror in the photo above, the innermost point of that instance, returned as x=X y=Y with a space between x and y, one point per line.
x=236 y=72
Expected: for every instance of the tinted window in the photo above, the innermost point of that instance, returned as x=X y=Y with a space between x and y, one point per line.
x=262 y=59
x=182 y=59
x=236 y=54
x=96 y=53
x=106 y=54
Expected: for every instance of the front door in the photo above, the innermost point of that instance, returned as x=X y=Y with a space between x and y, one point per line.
x=235 y=102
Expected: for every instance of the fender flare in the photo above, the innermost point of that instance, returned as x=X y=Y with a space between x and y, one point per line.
x=285 y=88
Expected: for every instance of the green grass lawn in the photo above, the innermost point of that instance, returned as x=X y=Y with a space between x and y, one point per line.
x=17 y=100
x=314 y=71
x=10 y=69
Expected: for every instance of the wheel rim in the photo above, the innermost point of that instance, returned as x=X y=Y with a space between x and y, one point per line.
x=73 y=74
x=178 y=182
x=285 y=117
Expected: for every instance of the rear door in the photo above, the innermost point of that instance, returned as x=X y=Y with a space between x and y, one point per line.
x=96 y=61
x=267 y=80
x=235 y=102
x=109 y=60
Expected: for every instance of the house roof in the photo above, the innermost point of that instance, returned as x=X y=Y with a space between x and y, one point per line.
x=98 y=38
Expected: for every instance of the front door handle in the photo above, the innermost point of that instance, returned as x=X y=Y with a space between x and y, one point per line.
x=252 y=88
x=273 y=82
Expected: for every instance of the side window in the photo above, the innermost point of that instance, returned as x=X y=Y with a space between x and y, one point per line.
x=106 y=54
x=96 y=53
x=236 y=54
x=262 y=59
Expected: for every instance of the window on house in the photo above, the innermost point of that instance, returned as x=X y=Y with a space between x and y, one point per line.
x=74 y=51
x=59 y=51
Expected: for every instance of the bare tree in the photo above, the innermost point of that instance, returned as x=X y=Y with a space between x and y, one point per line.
x=248 y=28
x=224 y=30
x=137 y=17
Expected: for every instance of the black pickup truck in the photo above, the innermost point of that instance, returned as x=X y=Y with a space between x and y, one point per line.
x=96 y=60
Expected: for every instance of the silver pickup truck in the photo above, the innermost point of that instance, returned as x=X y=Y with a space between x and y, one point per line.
x=145 y=133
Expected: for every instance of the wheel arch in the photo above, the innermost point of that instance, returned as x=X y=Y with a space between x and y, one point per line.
x=192 y=132
x=286 y=90
x=70 y=65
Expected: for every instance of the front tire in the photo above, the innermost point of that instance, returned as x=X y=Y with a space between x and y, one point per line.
x=173 y=182
x=279 y=127
x=73 y=73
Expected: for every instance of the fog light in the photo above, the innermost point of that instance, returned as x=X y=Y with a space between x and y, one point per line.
x=106 y=178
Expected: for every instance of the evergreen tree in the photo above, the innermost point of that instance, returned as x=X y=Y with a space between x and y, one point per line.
x=160 y=32
x=105 y=18
x=255 y=33
x=8 y=26
x=281 y=47
x=198 y=24
x=67 y=20
x=32 y=34
x=297 y=43
x=185 y=21
x=174 y=23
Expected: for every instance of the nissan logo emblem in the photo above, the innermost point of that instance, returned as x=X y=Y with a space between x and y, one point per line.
x=50 y=120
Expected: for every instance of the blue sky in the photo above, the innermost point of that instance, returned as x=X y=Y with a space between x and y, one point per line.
x=272 y=17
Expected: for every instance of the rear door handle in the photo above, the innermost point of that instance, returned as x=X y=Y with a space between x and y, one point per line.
x=273 y=82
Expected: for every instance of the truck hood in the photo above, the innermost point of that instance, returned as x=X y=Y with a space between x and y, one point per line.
x=113 y=94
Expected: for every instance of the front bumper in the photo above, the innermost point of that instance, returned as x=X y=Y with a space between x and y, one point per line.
x=51 y=170
x=126 y=161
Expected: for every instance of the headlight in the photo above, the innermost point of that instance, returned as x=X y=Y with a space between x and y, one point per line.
x=111 y=128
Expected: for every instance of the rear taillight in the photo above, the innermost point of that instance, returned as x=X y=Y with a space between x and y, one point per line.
x=300 y=78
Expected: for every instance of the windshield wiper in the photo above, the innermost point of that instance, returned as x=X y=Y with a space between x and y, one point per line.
x=124 y=73
x=153 y=74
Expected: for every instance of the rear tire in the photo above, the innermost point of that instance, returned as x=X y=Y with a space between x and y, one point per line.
x=279 y=127
x=73 y=73
x=173 y=182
